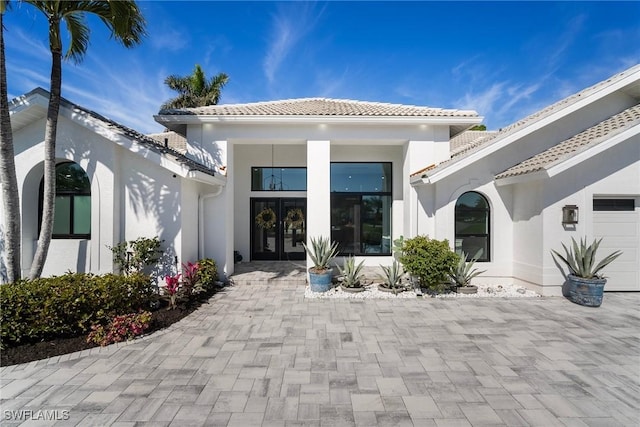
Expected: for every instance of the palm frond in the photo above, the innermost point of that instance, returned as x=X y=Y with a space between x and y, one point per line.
x=79 y=34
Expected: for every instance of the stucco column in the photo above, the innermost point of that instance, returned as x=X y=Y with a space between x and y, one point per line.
x=318 y=189
x=218 y=217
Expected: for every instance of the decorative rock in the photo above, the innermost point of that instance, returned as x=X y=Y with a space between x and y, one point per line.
x=371 y=292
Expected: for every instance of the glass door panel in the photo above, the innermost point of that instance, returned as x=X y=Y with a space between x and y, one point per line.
x=264 y=233
x=278 y=228
x=294 y=228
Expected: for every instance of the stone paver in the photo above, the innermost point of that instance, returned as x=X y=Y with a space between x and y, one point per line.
x=262 y=355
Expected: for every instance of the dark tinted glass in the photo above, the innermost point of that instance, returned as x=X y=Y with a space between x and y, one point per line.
x=278 y=179
x=361 y=177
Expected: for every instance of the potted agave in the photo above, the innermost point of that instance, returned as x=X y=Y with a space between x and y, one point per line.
x=461 y=274
x=392 y=278
x=321 y=252
x=585 y=285
x=351 y=274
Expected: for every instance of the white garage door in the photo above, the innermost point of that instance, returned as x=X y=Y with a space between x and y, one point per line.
x=617 y=222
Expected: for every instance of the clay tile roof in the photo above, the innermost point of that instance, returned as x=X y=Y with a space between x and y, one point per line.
x=175 y=140
x=578 y=143
x=468 y=140
x=535 y=117
x=146 y=141
x=321 y=107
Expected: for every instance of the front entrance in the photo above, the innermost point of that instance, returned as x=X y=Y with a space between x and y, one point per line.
x=278 y=228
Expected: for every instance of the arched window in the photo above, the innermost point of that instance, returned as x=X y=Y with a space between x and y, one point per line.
x=472 y=226
x=72 y=219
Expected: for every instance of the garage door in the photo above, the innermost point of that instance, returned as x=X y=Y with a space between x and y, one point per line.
x=617 y=222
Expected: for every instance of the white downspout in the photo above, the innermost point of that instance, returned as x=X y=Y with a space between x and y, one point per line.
x=201 y=200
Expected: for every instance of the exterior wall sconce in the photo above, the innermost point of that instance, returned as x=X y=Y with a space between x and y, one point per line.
x=570 y=214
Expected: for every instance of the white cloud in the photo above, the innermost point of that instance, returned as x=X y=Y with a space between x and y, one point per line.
x=290 y=24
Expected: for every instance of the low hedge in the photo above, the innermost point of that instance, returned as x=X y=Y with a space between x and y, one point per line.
x=67 y=305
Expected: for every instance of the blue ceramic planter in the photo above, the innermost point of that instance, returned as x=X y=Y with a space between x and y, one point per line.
x=320 y=282
x=587 y=292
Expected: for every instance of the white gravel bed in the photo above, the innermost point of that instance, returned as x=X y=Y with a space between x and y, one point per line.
x=372 y=292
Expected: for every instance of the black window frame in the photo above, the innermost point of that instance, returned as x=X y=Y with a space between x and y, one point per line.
x=486 y=235
x=360 y=195
x=71 y=195
x=278 y=189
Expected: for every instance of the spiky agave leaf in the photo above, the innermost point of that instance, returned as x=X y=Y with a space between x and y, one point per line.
x=322 y=251
x=351 y=272
x=580 y=259
x=392 y=275
x=463 y=272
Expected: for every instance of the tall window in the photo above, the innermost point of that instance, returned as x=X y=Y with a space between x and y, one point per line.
x=72 y=219
x=361 y=208
x=472 y=226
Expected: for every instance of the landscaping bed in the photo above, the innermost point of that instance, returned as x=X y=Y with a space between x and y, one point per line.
x=160 y=319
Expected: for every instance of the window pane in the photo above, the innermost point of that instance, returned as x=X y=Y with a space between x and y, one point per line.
x=614 y=204
x=70 y=177
x=278 y=179
x=361 y=224
x=472 y=200
x=472 y=222
x=82 y=215
x=61 y=222
x=361 y=177
x=472 y=226
x=474 y=246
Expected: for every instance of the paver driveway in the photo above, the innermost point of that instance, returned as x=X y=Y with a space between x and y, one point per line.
x=263 y=355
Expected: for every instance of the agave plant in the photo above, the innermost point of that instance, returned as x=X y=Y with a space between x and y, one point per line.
x=581 y=259
x=392 y=276
x=463 y=272
x=351 y=273
x=322 y=251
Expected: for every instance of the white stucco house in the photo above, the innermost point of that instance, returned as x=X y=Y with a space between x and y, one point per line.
x=261 y=178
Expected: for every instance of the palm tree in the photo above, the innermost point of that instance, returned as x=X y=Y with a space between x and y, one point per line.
x=127 y=26
x=8 y=171
x=195 y=90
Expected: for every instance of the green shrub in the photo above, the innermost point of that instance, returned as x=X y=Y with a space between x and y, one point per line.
x=137 y=255
x=207 y=273
x=67 y=305
x=428 y=259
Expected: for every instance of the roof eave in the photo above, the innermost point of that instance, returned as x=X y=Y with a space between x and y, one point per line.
x=168 y=120
x=563 y=164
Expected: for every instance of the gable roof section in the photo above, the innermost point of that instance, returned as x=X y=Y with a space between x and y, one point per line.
x=319 y=110
x=321 y=107
x=508 y=134
x=468 y=140
x=577 y=144
x=19 y=106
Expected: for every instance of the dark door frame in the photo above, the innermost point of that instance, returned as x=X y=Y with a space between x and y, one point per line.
x=279 y=253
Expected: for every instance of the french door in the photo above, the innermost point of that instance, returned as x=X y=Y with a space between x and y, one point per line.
x=278 y=228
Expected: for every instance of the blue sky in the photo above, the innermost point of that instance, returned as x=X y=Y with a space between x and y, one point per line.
x=502 y=59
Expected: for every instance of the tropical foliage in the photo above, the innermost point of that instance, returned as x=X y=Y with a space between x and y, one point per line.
x=127 y=26
x=427 y=259
x=392 y=276
x=351 y=272
x=321 y=252
x=36 y=310
x=195 y=90
x=135 y=256
x=581 y=258
x=462 y=273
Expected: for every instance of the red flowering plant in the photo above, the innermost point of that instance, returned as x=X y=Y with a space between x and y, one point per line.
x=171 y=289
x=121 y=328
x=190 y=278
